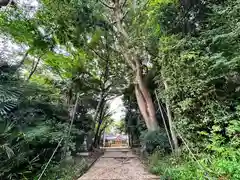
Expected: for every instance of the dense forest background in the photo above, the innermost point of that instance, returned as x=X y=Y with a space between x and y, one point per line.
x=176 y=63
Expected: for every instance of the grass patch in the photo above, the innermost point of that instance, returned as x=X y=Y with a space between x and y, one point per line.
x=211 y=167
x=66 y=170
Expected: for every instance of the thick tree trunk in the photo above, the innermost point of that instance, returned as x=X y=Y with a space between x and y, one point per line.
x=142 y=105
x=145 y=102
x=148 y=110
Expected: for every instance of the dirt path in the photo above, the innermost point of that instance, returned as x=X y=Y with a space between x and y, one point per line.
x=118 y=164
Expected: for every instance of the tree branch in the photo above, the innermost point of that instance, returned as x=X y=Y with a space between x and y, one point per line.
x=111 y=98
x=99 y=55
x=106 y=89
x=124 y=15
x=23 y=59
x=34 y=69
x=124 y=3
x=110 y=7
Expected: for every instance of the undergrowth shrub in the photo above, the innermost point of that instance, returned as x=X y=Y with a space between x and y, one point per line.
x=219 y=160
x=224 y=165
x=66 y=170
x=155 y=140
x=31 y=130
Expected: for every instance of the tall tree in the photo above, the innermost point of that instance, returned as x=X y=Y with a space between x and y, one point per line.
x=133 y=56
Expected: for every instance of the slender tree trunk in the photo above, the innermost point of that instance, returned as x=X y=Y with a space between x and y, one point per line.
x=99 y=139
x=164 y=122
x=95 y=143
x=104 y=138
x=103 y=90
x=129 y=142
x=23 y=59
x=71 y=123
x=100 y=135
x=173 y=134
x=34 y=69
x=98 y=108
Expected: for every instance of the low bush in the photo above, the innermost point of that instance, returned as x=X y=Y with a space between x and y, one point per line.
x=153 y=140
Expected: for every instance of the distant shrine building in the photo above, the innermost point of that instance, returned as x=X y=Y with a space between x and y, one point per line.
x=111 y=140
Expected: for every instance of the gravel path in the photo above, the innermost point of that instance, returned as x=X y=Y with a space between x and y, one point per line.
x=118 y=164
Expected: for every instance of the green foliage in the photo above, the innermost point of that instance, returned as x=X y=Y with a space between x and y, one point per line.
x=66 y=170
x=120 y=126
x=74 y=20
x=223 y=165
x=199 y=64
x=194 y=49
x=153 y=140
x=32 y=128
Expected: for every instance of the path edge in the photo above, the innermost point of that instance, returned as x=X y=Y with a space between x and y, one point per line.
x=86 y=170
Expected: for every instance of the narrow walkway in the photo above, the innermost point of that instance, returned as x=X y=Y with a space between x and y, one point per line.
x=118 y=164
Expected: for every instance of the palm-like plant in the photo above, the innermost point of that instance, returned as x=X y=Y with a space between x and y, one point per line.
x=8 y=98
x=5 y=133
x=9 y=89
